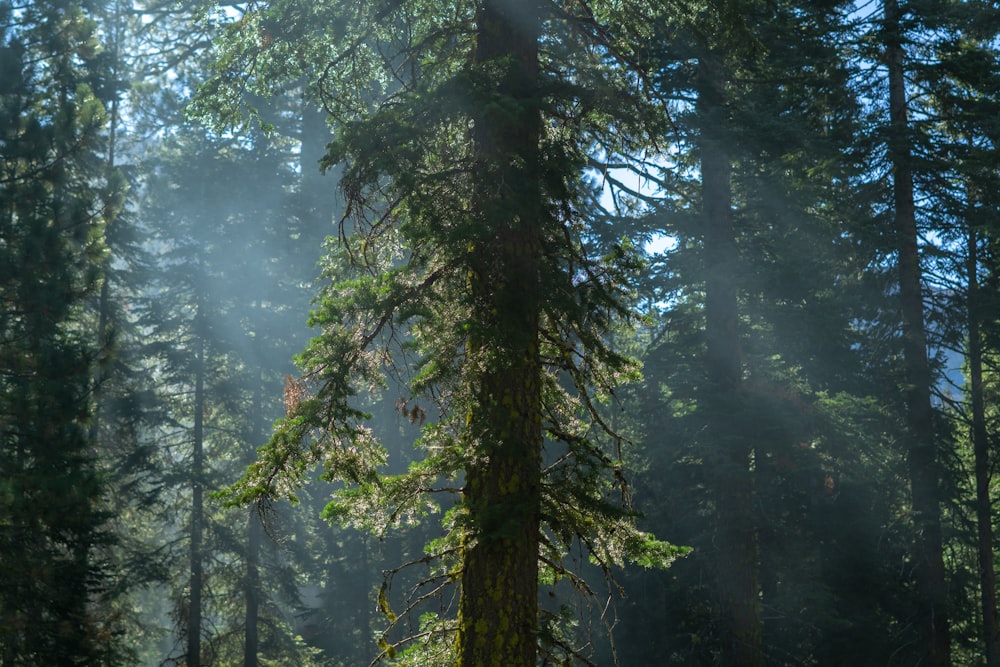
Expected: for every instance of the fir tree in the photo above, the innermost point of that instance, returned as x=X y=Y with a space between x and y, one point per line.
x=466 y=272
x=52 y=140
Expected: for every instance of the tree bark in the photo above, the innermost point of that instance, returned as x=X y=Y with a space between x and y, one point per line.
x=498 y=610
x=928 y=556
x=736 y=538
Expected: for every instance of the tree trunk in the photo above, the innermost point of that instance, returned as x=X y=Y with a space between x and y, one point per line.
x=736 y=537
x=252 y=593
x=498 y=610
x=104 y=300
x=251 y=637
x=197 y=502
x=981 y=449
x=929 y=570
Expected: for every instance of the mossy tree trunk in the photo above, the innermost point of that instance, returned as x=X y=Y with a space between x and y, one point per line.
x=499 y=599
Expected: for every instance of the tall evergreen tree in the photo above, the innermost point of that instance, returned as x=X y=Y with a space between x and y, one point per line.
x=760 y=293
x=221 y=331
x=922 y=445
x=464 y=244
x=231 y=261
x=54 y=197
x=124 y=412
x=736 y=568
x=958 y=181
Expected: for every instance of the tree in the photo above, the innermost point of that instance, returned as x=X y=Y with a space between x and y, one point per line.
x=466 y=248
x=980 y=445
x=54 y=197
x=932 y=616
x=748 y=335
x=124 y=407
x=737 y=562
x=959 y=145
x=226 y=296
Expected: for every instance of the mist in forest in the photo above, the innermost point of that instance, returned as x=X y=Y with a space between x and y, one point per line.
x=498 y=333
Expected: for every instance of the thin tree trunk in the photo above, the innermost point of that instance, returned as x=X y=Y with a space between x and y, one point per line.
x=366 y=609
x=197 y=502
x=103 y=321
x=498 y=609
x=252 y=639
x=104 y=300
x=252 y=593
x=736 y=538
x=928 y=556
x=981 y=448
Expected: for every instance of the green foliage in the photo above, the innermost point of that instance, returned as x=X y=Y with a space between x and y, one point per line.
x=56 y=536
x=398 y=310
x=491 y=244
x=227 y=286
x=808 y=408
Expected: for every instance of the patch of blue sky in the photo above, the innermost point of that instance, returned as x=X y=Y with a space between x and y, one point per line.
x=633 y=188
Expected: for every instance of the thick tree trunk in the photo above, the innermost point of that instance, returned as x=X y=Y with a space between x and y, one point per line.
x=736 y=537
x=929 y=570
x=498 y=613
x=981 y=449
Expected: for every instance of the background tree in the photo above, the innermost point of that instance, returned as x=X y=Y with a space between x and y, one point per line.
x=223 y=338
x=922 y=447
x=124 y=405
x=959 y=71
x=772 y=286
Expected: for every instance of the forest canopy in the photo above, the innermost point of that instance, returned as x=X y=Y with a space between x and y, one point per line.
x=498 y=332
